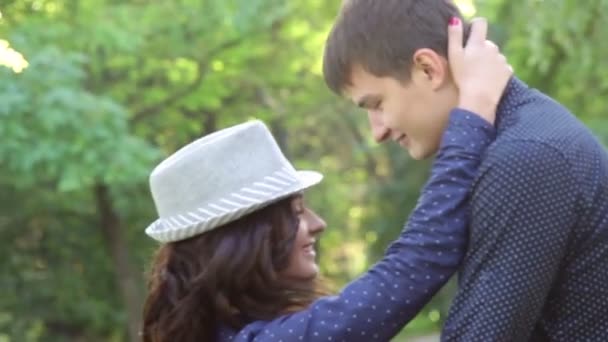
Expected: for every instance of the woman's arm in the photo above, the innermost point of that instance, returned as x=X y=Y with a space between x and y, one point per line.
x=378 y=304
x=428 y=251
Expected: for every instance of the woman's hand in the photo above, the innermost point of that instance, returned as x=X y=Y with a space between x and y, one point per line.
x=480 y=71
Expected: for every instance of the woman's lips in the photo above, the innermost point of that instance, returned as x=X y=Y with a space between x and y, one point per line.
x=310 y=249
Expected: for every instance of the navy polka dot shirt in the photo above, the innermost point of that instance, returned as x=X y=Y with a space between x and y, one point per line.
x=537 y=261
x=429 y=250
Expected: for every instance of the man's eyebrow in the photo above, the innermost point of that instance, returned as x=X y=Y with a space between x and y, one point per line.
x=364 y=102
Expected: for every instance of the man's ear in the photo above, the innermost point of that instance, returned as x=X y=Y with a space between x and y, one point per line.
x=430 y=67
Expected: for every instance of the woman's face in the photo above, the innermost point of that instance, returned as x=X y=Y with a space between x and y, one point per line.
x=302 y=259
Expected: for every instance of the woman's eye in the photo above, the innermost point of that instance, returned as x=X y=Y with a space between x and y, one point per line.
x=298 y=210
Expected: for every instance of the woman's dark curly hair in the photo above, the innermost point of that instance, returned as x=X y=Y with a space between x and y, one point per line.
x=227 y=276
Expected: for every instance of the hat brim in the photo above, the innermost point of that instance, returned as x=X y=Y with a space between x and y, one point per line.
x=164 y=231
x=309 y=178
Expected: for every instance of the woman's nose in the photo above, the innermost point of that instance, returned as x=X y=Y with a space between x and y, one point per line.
x=317 y=224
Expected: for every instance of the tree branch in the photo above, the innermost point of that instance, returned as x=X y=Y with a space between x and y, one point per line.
x=179 y=94
x=370 y=160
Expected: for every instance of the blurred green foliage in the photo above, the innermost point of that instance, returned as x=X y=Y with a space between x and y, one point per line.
x=95 y=92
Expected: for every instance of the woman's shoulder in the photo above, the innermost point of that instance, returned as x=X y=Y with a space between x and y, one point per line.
x=246 y=333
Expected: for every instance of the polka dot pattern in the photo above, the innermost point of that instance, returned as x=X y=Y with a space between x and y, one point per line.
x=537 y=264
x=429 y=250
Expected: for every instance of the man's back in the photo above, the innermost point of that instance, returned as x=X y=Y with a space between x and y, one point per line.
x=538 y=255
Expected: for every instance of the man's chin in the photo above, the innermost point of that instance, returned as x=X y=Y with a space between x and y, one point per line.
x=418 y=154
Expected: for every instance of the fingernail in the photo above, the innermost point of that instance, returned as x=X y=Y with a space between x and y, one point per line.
x=454 y=21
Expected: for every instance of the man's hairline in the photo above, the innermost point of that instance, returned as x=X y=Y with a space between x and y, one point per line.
x=348 y=80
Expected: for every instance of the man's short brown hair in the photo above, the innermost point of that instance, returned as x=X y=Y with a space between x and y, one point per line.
x=382 y=36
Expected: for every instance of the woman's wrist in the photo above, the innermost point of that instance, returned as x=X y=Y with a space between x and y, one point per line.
x=480 y=104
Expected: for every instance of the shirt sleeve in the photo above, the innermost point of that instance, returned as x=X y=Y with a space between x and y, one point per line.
x=380 y=302
x=523 y=211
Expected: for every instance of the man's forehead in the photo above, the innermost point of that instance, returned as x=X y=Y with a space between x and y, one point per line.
x=358 y=75
x=362 y=84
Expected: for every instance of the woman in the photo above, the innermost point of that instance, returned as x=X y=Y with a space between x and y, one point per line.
x=238 y=260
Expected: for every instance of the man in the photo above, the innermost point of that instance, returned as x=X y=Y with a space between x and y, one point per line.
x=537 y=265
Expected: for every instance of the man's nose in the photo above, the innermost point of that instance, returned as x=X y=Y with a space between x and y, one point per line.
x=379 y=131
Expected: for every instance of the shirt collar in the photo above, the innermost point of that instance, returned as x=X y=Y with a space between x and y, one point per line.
x=512 y=98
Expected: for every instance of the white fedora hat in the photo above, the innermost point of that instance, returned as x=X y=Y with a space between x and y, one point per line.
x=220 y=178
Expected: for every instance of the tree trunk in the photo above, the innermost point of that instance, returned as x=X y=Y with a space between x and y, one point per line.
x=126 y=278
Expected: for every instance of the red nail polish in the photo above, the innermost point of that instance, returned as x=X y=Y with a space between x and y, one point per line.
x=454 y=21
